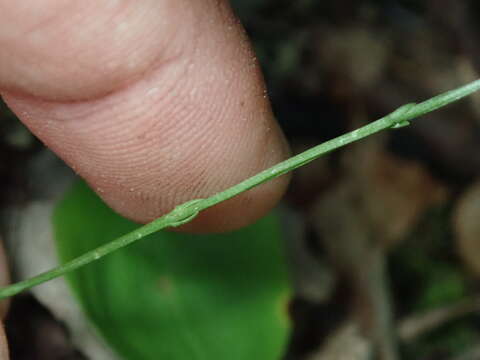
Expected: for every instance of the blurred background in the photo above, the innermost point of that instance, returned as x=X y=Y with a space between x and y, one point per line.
x=385 y=234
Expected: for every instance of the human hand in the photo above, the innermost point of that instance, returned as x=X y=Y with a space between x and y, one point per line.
x=152 y=102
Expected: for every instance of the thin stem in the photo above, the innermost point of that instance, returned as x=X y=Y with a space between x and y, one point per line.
x=187 y=211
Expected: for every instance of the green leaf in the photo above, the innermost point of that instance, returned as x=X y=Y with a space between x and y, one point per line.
x=176 y=296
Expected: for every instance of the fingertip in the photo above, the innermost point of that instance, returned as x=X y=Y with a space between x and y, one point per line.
x=184 y=129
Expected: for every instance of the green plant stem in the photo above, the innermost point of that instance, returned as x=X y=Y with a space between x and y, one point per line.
x=187 y=211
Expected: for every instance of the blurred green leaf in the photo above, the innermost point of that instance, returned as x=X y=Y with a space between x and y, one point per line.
x=445 y=285
x=175 y=296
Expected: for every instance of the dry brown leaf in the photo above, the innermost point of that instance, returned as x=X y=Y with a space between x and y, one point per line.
x=358 y=52
x=375 y=204
x=337 y=220
x=393 y=192
x=312 y=279
x=347 y=239
x=416 y=325
x=345 y=344
x=467 y=227
x=29 y=258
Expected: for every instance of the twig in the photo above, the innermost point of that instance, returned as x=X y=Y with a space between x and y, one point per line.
x=189 y=210
x=418 y=324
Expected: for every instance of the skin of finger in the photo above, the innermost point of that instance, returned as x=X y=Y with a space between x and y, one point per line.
x=180 y=118
x=53 y=44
